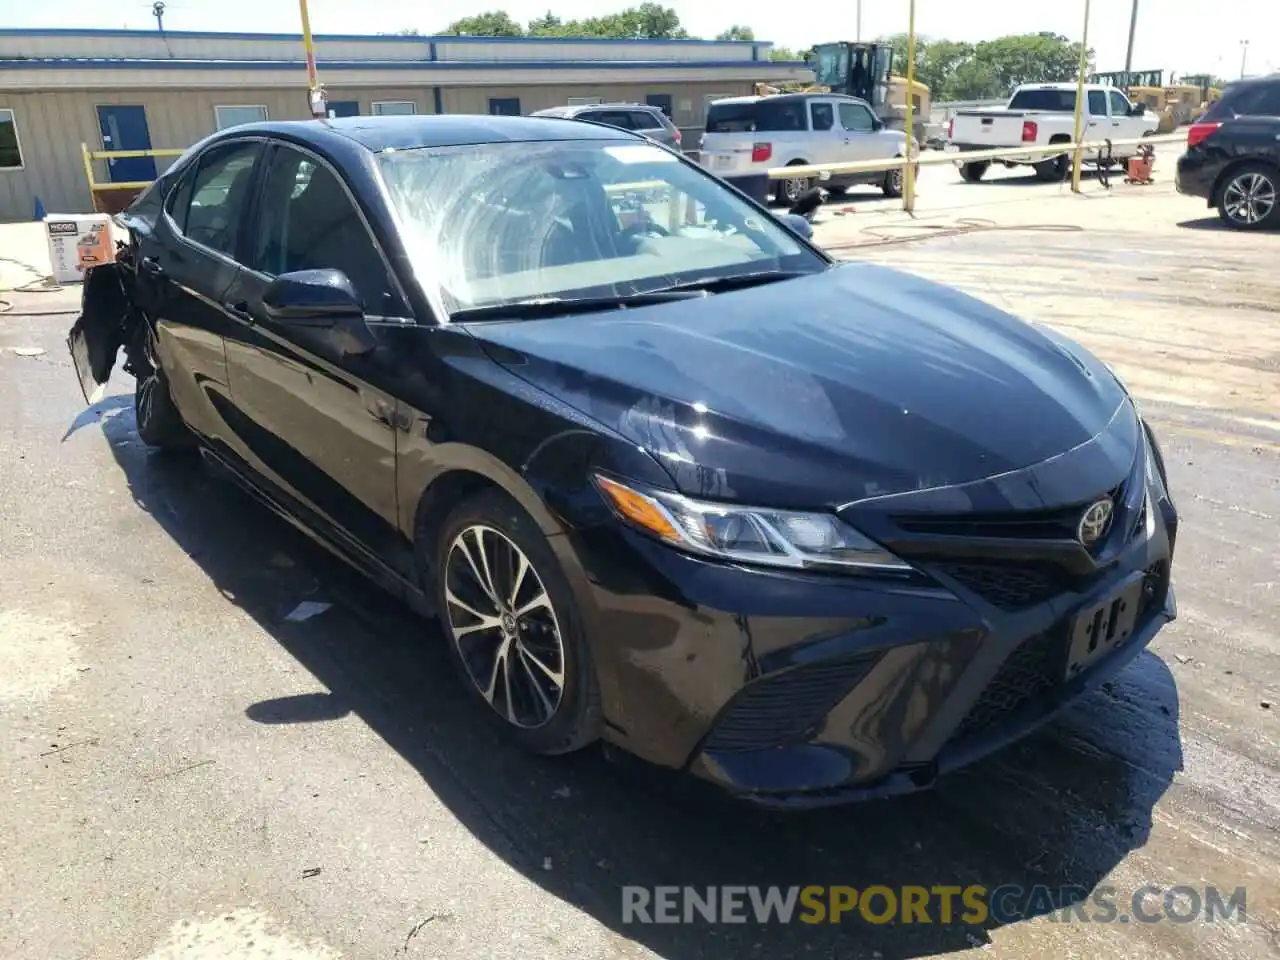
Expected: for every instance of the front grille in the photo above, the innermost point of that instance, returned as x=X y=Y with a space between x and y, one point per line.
x=1033 y=669
x=1007 y=586
x=785 y=708
x=1058 y=523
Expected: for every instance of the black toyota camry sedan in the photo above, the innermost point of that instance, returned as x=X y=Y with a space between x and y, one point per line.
x=665 y=473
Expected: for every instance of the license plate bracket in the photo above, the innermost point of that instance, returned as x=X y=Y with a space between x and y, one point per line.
x=1097 y=630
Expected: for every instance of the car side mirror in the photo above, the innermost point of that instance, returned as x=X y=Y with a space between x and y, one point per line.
x=877 y=124
x=1138 y=110
x=797 y=225
x=322 y=299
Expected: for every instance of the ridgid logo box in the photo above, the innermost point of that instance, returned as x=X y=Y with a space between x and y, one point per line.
x=77 y=242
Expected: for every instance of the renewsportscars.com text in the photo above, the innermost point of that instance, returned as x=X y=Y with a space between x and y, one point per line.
x=943 y=904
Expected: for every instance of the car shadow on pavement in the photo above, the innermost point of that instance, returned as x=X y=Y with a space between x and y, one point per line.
x=1052 y=816
x=1213 y=223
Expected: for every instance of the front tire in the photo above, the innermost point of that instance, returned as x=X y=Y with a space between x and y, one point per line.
x=1248 y=199
x=512 y=626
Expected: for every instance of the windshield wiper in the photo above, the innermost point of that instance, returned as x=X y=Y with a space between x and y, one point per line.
x=563 y=306
x=736 y=281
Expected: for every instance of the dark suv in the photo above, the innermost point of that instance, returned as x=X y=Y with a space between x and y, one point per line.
x=639 y=118
x=1233 y=154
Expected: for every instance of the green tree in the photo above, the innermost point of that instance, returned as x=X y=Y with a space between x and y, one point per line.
x=971 y=80
x=736 y=32
x=546 y=25
x=491 y=23
x=784 y=54
x=1029 y=58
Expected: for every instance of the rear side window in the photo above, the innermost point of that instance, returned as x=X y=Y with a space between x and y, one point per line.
x=1247 y=100
x=614 y=118
x=644 y=120
x=219 y=193
x=823 y=116
x=760 y=116
x=1048 y=100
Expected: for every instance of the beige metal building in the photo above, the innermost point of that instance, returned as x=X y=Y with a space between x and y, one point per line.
x=136 y=90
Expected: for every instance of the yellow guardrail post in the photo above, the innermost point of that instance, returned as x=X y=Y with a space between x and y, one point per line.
x=1078 y=156
x=88 y=173
x=908 y=175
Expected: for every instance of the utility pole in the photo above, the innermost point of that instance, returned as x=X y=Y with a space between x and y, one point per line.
x=858 y=36
x=1244 y=56
x=1128 y=56
x=315 y=93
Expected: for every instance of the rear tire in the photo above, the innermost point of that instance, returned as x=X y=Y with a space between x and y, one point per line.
x=1054 y=170
x=789 y=191
x=1248 y=198
x=891 y=186
x=159 y=423
x=491 y=563
x=973 y=172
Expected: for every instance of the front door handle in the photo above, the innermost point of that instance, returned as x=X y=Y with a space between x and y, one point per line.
x=151 y=266
x=240 y=310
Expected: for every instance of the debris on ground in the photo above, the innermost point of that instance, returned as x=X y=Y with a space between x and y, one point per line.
x=1182 y=659
x=310 y=872
x=307 y=609
x=546 y=863
x=562 y=793
x=28 y=351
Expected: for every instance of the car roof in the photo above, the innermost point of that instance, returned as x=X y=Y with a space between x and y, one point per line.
x=789 y=98
x=432 y=130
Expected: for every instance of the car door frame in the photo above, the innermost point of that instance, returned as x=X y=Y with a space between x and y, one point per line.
x=210 y=427
x=864 y=144
x=387 y=559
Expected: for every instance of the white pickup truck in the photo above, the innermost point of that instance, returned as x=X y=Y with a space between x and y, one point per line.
x=1044 y=113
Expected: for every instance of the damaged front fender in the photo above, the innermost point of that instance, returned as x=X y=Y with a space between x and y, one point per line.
x=103 y=327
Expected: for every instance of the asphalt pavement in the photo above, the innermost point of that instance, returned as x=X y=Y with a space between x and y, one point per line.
x=190 y=772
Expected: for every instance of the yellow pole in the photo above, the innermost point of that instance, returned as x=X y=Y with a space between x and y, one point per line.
x=313 y=84
x=909 y=173
x=88 y=172
x=1084 y=57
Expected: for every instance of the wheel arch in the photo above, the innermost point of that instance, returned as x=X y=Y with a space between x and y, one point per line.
x=1225 y=174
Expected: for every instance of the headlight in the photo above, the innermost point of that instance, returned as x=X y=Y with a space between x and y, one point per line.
x=776 y=538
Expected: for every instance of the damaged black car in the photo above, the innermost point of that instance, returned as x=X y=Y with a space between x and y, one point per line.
x=664 y=472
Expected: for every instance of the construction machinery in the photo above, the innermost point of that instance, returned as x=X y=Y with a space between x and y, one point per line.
x=1204 y=83
x=865 y=70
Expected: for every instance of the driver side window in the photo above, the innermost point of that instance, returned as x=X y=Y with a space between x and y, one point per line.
x=856 y=118
x=308 y=222
x=1119 y=105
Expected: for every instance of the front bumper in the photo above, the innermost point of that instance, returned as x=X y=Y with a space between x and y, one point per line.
x=795 y=689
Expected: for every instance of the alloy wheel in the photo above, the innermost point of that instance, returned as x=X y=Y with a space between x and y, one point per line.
x=794 y=188
x=504 y=626
x=1249 y=198
x=149 y=383
x=896 y=180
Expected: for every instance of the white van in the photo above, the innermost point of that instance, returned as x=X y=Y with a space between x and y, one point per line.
x=749 y=135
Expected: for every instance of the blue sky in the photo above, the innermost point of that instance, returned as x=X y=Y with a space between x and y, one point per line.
x=1178 y=35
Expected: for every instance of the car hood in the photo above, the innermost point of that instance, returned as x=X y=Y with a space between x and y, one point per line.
x=857 y=382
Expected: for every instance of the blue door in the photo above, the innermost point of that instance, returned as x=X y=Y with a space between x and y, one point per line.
x=125 y=128
x=343 y=108
x=504 y=106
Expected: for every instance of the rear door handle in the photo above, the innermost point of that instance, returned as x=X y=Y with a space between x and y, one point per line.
x=150 y=265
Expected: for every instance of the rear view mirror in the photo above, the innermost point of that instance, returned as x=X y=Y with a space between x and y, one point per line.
x=320 y=299
x=1138 y=110
x=312 y=298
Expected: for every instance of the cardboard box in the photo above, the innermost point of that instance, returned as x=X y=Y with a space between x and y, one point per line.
x=77 y=242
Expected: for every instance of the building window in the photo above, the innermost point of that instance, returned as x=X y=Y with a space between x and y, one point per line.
x=504 y=106
x=233 y=116
x=10 y=148
x=394 y=108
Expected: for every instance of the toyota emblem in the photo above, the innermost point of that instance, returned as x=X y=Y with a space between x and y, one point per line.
x=1095 y=522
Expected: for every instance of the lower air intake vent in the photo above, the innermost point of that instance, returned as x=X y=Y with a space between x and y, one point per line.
x=784 y=708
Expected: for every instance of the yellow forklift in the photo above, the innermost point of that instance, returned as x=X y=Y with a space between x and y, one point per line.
x=865 y=70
